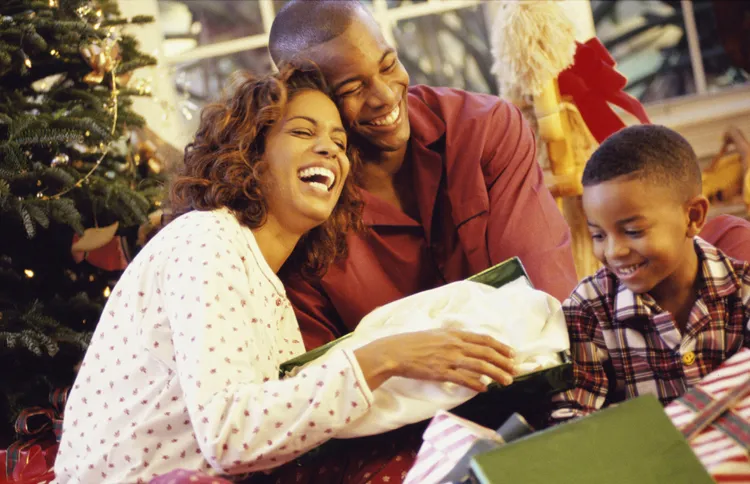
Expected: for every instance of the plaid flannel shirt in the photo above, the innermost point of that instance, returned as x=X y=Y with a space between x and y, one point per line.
x=624 y=345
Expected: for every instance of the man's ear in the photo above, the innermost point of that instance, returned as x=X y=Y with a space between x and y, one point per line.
x=696 y=210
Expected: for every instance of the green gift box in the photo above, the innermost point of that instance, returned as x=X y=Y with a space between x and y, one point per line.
x=526 y=395
x=634 y=442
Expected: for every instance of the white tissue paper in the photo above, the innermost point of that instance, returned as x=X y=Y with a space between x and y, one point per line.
x=528 y=320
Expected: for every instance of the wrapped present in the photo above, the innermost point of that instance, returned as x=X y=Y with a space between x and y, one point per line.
x=714 y=416
x=493 y=407
x=28 y=462
x=632 y=442
x=496 y=276
x=451 y=441
x=30 y=459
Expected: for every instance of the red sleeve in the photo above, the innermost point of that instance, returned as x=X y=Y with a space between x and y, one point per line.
x=729 y=234
x=524 y=220
x=318 y=320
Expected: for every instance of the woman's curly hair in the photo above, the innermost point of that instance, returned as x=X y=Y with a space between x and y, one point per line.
x=223 y=166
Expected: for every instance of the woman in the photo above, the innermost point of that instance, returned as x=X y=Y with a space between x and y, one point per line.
x=182 y=371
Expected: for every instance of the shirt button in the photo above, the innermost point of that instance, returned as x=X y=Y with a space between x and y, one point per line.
x=688 y=358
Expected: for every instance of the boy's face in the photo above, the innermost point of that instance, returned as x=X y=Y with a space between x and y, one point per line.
x=643 y=233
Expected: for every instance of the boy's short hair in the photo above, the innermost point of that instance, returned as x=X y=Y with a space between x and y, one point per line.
x=649 y=152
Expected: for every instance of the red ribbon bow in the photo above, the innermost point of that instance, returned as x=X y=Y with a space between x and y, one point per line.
x=33 y=454
x=593 y=83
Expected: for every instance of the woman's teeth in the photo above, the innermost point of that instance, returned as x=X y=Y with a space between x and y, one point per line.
x=318 y=186
x=318 y=177
x=389 y=119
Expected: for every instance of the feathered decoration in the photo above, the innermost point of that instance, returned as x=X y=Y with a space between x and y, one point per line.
x=532 y=42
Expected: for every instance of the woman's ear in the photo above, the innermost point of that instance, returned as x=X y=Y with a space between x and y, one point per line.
x=696 y=211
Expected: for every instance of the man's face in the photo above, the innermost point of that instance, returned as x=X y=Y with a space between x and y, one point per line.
x=369 y=82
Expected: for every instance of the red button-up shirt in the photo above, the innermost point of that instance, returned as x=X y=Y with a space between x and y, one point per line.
x=481 y=200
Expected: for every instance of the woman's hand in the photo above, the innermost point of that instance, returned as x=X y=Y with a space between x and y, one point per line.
x=438 y=355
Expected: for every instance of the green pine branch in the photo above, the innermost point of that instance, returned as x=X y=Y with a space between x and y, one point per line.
x=141 y=19
x=98 y=130
x=20 y=124
x=37 y=332
x=12 y=157
x=32 y=38
x=5 y=194
x=48 y=136
x=57 y=179
x=63 y=211
x=39 y=212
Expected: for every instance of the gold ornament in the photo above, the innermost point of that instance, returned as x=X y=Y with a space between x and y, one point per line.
x=145 y=153
x=102 y=60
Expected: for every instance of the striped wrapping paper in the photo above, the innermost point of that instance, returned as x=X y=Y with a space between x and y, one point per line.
x=446 y=440
x=724 y=446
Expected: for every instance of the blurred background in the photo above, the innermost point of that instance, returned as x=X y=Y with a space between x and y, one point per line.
x=683 y=59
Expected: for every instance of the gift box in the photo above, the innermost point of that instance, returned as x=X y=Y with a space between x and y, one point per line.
x=31 y=458
x=449 y=443
x=714 y=417
x=496 y=276
x=29 y=463
x=634 y=442
x=493 y=407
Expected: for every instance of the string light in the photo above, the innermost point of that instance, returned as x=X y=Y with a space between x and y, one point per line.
x=107 y=291
x=54 y=53
x=102 y=146
x=83 y=10
x=99 y=21
x=26 y=60
x=53 y=3
x=29 y=273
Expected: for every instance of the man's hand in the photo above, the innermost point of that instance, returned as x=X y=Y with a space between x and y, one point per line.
x=441 y=355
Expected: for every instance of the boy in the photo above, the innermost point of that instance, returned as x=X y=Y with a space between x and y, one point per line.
x=667 y=308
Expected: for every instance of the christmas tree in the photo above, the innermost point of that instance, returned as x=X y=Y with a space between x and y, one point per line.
x=72 y=190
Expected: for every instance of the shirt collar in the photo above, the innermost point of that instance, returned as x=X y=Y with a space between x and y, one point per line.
x=426 y=126
x=718 y=280
x=427 y=129
x=719 y=277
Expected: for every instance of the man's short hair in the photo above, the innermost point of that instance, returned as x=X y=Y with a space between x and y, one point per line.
x=302 y=24
x=650 y=152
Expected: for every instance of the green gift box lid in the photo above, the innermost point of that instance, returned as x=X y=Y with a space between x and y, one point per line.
x=634 y=442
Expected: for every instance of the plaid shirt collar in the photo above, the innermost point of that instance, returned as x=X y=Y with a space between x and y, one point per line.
x=716 y=270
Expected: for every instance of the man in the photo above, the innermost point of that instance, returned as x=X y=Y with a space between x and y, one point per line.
x=450 y=180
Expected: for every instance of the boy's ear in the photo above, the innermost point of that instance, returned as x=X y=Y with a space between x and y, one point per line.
x=696 y=211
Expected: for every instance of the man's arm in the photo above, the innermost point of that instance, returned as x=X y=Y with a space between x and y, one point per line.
x=589 y=356
x=524 y=220
x=729 y=234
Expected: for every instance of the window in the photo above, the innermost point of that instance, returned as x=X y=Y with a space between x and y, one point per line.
x=673 y=52
x=668 y=49
x=441 y=42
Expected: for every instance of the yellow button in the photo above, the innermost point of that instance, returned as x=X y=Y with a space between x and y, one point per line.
x=688 y=358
